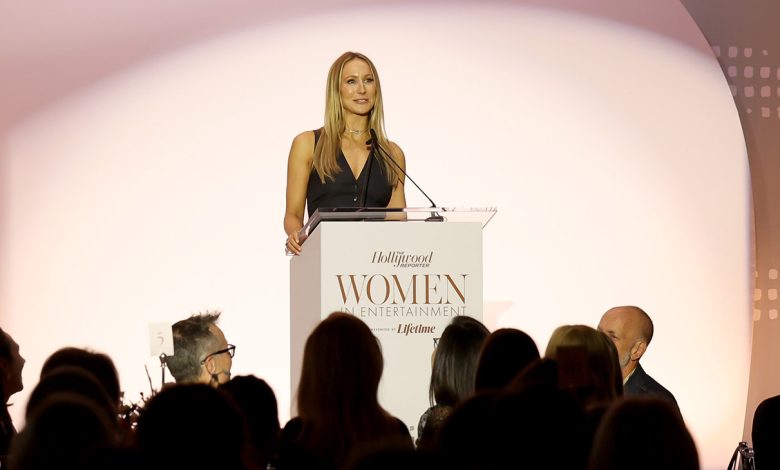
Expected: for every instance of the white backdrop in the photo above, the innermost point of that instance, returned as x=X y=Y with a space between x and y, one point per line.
x=613 y=153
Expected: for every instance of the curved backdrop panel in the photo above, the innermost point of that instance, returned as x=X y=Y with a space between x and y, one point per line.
x=612 y=149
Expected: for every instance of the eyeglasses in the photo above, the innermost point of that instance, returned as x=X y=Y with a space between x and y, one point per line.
x=231 y=349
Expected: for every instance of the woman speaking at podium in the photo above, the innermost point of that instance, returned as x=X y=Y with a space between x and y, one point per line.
x=336 y=165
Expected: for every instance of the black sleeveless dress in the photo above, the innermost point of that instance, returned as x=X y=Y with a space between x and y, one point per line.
x=346 y=191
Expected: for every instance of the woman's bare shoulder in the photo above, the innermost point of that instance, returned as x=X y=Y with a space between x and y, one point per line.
x=304 y=138
x=396 y=151
x=302 y=148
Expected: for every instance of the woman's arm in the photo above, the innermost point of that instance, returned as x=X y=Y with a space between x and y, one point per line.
x=298 y=170
x=398 y=198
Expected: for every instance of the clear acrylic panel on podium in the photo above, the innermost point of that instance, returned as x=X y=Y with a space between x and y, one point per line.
x=481 y=215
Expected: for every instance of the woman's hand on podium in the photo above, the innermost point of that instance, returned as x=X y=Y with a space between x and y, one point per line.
x=293 y=245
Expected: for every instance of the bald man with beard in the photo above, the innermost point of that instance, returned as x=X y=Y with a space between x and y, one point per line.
x=631 y=329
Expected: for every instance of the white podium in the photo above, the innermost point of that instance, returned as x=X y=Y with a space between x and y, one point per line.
x=406 y=273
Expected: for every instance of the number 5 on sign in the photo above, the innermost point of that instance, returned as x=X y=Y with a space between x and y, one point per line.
x=160 y=339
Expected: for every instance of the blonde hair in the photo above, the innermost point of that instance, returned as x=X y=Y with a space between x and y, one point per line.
x=329 y=143
x=604 y=374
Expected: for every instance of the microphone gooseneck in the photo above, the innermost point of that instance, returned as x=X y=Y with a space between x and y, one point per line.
x=375 y=145
x=364 y=193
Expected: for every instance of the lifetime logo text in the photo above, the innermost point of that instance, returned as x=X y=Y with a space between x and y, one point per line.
x=410 y=328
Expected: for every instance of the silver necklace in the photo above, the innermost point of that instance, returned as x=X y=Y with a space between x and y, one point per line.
x=354 y=132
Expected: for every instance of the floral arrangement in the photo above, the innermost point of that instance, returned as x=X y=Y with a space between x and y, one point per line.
x=129 y=411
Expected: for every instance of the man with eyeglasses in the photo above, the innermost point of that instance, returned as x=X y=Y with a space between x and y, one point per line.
x=201 y=354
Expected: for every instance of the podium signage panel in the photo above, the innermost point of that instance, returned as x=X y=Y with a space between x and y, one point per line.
x=401 y=273
x=405 y=280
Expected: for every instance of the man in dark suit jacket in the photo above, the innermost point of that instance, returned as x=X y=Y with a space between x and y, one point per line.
x=632 y=329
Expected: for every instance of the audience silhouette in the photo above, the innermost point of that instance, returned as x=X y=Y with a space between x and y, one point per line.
x=643 y=433
x=192 y=426
x=73 y=380
x=11 y=365
x=257 y=403
x=64 y=430
x=766 y=433
x=98 y=364
x=587 y=363
x=338 y=408
x=495 y=404
x=505 y=354
x=453 y=373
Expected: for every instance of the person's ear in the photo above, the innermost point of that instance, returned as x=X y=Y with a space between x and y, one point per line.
x=209 y=365
x=638 y=350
